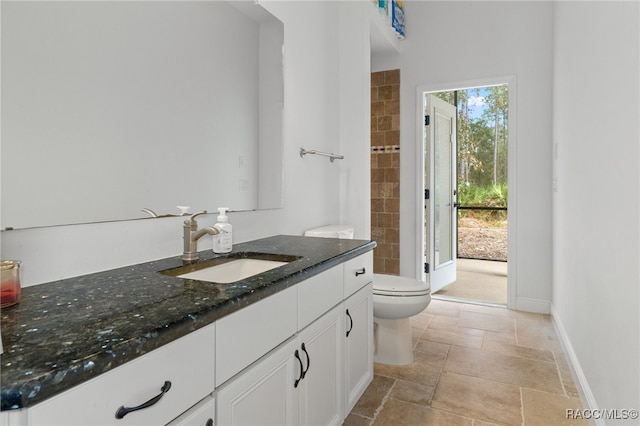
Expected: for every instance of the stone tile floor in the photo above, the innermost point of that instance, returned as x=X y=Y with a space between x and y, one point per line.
x=474 y=365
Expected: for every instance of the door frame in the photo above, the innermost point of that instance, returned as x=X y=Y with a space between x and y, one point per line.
x=419 y=184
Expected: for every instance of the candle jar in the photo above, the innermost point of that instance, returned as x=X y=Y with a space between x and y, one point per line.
x=9 y=282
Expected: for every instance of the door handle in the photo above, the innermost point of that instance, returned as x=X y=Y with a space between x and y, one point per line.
x=350 y=323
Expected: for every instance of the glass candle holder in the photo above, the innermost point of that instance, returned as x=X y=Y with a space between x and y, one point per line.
x=9 y=282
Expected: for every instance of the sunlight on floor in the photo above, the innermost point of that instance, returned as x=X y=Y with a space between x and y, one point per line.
x=478 y=280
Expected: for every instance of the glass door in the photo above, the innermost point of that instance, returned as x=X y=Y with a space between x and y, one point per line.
x=440 y=194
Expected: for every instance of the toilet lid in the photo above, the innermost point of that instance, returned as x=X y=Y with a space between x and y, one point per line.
x=400 y=286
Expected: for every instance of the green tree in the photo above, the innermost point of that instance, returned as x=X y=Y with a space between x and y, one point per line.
x=496 y=113
x=482 y=140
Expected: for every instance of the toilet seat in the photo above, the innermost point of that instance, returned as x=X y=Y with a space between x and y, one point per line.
x=401 y=293
x=391 y=285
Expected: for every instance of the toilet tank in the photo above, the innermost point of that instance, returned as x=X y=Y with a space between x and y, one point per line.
x=331 y=231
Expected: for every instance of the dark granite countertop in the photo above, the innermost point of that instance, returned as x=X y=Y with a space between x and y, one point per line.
x=65 y=332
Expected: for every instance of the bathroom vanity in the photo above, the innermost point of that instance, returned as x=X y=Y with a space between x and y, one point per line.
x=138 y=345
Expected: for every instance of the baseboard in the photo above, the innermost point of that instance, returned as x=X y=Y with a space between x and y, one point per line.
x=584 y=388
x=537 y=306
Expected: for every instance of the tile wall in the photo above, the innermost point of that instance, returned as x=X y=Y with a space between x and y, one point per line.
x=385 y=170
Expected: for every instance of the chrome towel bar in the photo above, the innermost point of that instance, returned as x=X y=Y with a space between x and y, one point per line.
x=331 y=156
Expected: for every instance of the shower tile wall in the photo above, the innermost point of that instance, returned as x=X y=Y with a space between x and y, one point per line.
x=385 y=170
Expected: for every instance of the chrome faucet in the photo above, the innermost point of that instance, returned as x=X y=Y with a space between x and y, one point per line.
x=192 y=235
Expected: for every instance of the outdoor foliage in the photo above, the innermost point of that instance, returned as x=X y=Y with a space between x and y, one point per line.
x=486 y=196
x=482 y=125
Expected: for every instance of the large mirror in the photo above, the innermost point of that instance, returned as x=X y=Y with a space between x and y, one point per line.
x=111 y=107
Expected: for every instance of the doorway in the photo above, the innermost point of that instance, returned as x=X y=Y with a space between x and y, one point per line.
x=466 y=175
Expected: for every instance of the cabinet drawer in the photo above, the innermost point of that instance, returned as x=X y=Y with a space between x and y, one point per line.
x=187 y=363
x=357 y=273
x=247 y=334
x=318 y=294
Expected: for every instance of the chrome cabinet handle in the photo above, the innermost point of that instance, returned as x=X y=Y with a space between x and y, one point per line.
x=123 y=411
x=350 y=323
x=361 y=272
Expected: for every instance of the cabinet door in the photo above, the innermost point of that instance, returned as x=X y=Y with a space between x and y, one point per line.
x=358 y=344
x=322 y=387
x=264 y=394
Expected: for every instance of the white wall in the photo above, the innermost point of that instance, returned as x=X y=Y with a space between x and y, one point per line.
x=315 y=54
x=355 y=117
x=452 y=42
x=596 y=208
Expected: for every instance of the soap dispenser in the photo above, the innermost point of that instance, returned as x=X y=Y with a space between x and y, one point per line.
x=222 y=242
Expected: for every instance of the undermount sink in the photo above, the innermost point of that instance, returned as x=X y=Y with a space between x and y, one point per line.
x=233 y=271
x=232 y=268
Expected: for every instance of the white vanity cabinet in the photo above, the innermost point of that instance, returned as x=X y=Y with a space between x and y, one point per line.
x=302 y=356
x=187 y=363
x=315 y=377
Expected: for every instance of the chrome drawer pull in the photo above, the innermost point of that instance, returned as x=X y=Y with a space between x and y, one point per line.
x=123 y=411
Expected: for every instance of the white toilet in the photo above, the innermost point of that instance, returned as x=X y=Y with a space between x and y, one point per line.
x=395 y=299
